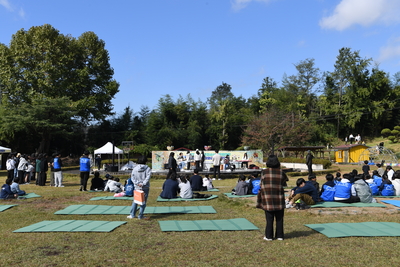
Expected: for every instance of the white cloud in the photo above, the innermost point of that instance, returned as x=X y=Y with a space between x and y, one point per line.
x=362 y=12
x=21 y=13
x=390 y=51
x=240 y=4
x=6 y=4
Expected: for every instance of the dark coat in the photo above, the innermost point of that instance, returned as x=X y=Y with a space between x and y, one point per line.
x=271 y=196
x=170 y=189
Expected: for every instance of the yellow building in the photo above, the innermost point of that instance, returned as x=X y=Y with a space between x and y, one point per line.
x=350 y=153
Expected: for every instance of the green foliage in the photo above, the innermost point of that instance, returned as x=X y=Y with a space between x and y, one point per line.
x=386 y=132
x=392 y=138
x=144 y=149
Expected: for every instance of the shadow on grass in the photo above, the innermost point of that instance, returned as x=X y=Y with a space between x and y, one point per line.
x=296 y=234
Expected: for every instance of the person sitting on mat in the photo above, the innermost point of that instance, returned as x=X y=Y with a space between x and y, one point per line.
x=129 y=188
x=97 y=183
x=196 y=181
x=362 y=190
x=337 y=178
x=328 y=189
x=254 y=184
x=6 y=192
x=396 y=182
x=114 y=186
x=207 y=183
x=386 y=188
x=15 y=188
x=343 y=191
x=185 y=188
x=170 y=187
x=241 y=186
x=305 y=192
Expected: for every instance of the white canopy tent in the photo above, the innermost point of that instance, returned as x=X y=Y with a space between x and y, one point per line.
x=5 y=149
x=108 y=149
x=2 y=151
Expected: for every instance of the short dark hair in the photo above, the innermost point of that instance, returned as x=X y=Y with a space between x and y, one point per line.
x=142 y=159
x=273 y=162
x=329 y=177
x=300 y=181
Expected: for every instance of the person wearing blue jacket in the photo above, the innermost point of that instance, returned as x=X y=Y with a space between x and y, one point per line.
x=129 y=187
x=84 y=167
x=343 y=190
x=305 y=191
x=6 y=190
x=328 y=189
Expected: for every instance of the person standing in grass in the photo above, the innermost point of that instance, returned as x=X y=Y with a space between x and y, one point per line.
x=271 y=198
x=140 y=177
x=84 y=167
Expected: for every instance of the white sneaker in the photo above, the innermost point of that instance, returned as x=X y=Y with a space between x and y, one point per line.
x=267 y=239
x=280 y=239
x=60 y=186
x=213 y=179
x=130 y=217
x=288 y=206
x=219 y=179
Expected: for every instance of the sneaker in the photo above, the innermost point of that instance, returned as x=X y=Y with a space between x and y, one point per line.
x=219 y=179
x=213 y=179
x=130 y=217
x=267 y=239
x=280 y=239
x=288 y=206
x=60 y=186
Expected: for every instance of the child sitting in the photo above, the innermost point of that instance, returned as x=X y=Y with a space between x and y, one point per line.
x=207 y=183
x=97 y=182
x=305 y=192
x=113 y=186
x=328 y=189
x=386 y=188
x=15 y=188
x=6 y=192
x=362 y=190
x=241 y=186
x=129 y=188
x=185 y=188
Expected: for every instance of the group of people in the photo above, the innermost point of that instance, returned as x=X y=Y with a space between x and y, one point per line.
x=187 y=187
x=353 y=139
x=251 y=186
x=24 y=168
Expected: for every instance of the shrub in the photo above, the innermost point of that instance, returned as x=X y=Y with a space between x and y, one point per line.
x=386 y=132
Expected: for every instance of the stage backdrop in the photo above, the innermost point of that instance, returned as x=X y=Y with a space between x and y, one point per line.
x=160 y=158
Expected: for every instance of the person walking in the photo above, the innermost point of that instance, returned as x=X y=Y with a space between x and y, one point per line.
x=140 y=177
x=271 y=198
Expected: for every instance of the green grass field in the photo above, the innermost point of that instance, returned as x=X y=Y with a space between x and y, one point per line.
x=141 y=242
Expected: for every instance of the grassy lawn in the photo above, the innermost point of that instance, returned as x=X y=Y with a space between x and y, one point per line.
x=141 y=242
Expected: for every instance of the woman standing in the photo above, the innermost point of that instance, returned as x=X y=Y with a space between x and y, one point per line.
x=271 y=197
x=141 y=180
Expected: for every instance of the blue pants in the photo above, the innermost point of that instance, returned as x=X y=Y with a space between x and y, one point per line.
x=142 y=207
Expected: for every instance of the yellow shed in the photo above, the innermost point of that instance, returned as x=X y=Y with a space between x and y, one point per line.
x=350 y=153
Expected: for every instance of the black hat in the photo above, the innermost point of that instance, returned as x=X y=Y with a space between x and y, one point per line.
x=273 y=161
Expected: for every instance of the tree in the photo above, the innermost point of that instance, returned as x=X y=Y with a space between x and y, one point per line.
x=276 y=128
x=43 y=65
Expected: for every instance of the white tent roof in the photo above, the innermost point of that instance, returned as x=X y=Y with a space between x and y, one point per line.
x=108 y=149
x=5 y=149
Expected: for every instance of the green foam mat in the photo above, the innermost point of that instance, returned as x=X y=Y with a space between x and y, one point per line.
x=31 y=195
x=333 y=204
x=71 y=226
x=125 y=210
x=209 y=190
x=387 y=196
x=5 y=207
x=357 y=229
x=111 y=198
x=230 y=195
x=160 y=199
x=238 y=224
x=392 y=202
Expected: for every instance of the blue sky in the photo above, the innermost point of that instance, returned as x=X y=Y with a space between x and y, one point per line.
x=182 y=47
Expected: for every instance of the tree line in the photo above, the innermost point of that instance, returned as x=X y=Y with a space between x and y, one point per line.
x=56 y=94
